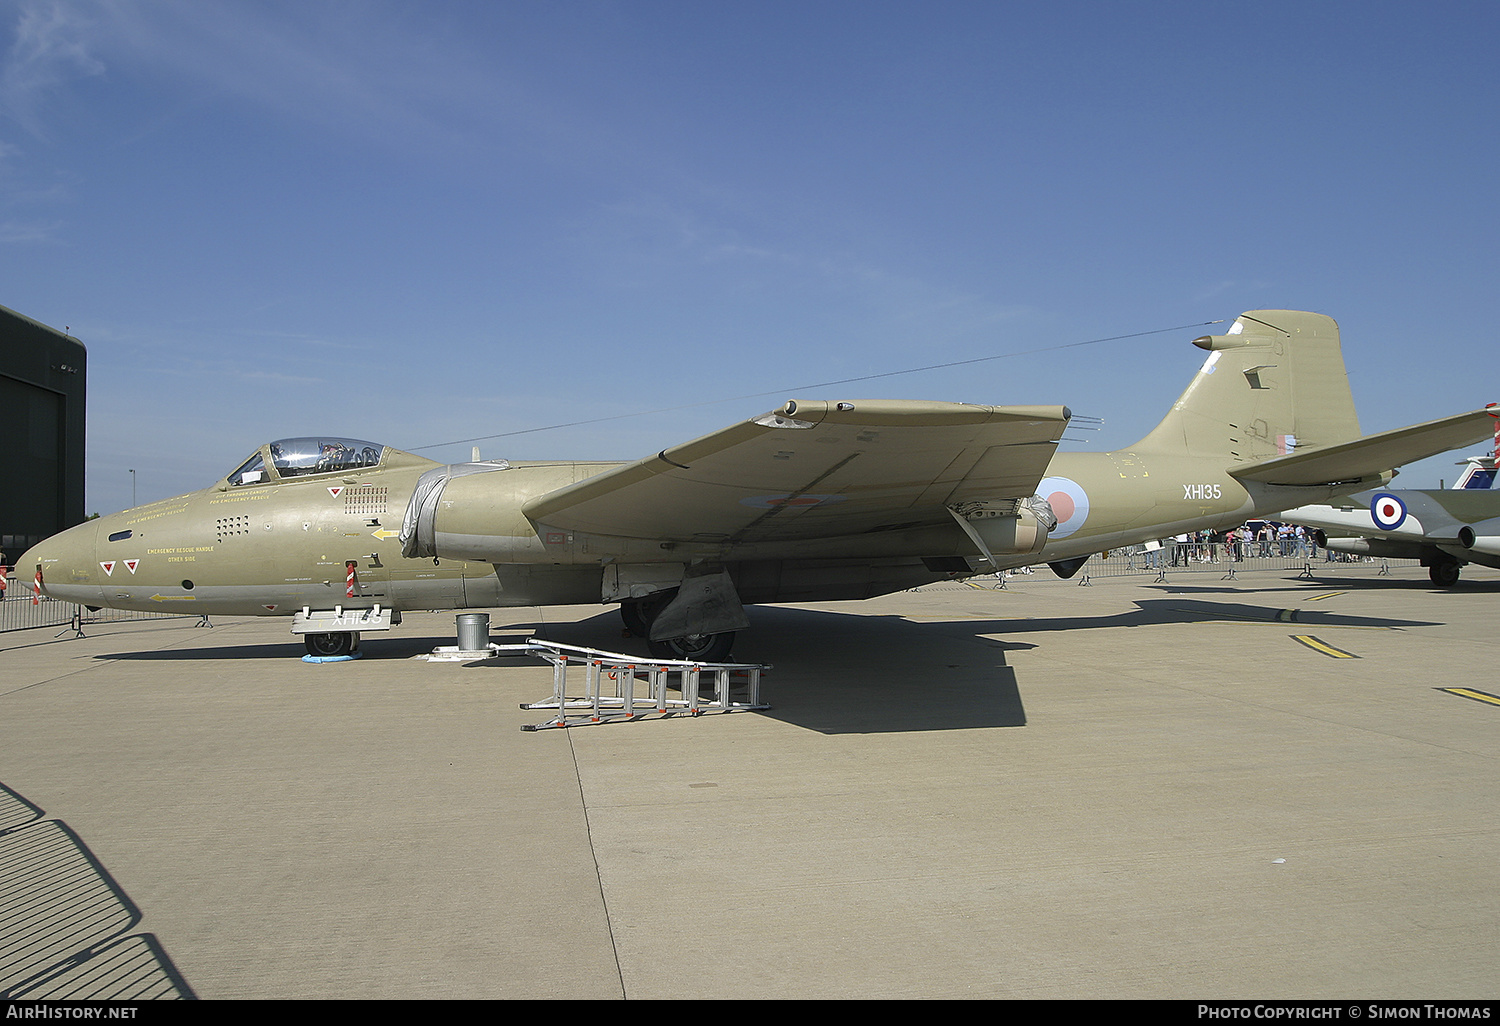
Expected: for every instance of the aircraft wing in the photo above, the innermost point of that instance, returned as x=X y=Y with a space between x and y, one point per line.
x=816 y=469
x=1371 y=455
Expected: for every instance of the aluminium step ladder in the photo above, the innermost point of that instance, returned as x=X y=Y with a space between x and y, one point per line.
x=617 y=687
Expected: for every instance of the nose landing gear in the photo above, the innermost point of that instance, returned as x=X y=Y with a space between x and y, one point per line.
x=334 y=643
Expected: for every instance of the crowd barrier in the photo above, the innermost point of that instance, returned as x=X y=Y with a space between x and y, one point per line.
x=1217 y=557
x=17 y=612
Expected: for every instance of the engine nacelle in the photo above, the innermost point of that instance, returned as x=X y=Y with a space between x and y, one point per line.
x=1016 y=535
x=1011 y=528
x=1470 y=539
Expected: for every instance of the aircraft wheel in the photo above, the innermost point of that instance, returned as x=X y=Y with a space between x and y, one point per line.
x=1444 y=575
x=707 y=648
x=639 y=613
x=337 y=643
x=635 y=623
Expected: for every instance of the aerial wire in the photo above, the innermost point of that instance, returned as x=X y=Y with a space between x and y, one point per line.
x=820 y=384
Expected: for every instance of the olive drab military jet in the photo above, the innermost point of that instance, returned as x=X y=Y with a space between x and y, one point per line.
x=813 y=501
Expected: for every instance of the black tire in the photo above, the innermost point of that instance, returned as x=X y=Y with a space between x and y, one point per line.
x=703 y=648
x=638 y=614
x=1444 y=575
x=338 y=643
x=635 y=623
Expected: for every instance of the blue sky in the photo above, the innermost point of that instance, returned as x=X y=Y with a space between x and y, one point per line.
x=419 y=223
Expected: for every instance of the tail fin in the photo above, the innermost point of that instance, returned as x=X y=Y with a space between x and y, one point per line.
x=1478 y=472
x=1273 y=382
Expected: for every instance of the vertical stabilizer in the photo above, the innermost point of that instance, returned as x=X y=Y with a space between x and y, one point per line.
x=1275 y=381
x=1478 y=472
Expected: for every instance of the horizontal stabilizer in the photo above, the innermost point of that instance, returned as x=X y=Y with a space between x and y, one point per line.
x=1372 y=455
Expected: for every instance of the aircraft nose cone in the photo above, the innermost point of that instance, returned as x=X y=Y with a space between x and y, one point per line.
x=24 y=574
x=24 y=568
x=67 y=565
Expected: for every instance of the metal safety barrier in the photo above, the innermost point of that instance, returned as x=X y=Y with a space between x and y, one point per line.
x=18 y=612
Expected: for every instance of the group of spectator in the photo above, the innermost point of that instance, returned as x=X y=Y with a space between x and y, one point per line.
x=1256 y=538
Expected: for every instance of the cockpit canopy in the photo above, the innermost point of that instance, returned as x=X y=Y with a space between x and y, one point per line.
x=298 y=457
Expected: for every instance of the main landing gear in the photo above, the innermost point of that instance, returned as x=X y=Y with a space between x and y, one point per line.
x=1445 y=574
x=639 y=614
x=698 y=648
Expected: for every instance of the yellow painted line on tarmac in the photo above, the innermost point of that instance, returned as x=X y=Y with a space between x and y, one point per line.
x=1322 y=646
x=1478 y=696
x=1331 y=594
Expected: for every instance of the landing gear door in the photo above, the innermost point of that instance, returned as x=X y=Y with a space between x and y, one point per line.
x=637 y=580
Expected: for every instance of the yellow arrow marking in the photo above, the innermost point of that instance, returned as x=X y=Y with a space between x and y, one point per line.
x=1322 y=646
x=383 y=534
x=1478 y=696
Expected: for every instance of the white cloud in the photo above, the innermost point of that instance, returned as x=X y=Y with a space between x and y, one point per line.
x=28 y=232
x=52 y=45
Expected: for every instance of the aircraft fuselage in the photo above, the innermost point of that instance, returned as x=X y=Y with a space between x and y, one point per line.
x=276 y=547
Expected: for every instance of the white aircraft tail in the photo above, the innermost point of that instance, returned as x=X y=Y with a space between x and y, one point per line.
x=1478 y=473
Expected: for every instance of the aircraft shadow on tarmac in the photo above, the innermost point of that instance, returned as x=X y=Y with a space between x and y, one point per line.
x=66 y=930
x=850 y=672
x=373 y=646
x=832 y=672
x=1174 y=609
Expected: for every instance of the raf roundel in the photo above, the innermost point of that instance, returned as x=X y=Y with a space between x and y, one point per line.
x=1388 y=511
x=1068 y=501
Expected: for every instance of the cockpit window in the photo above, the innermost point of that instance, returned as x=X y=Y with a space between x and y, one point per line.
x=254 y=470
x=294 y=457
